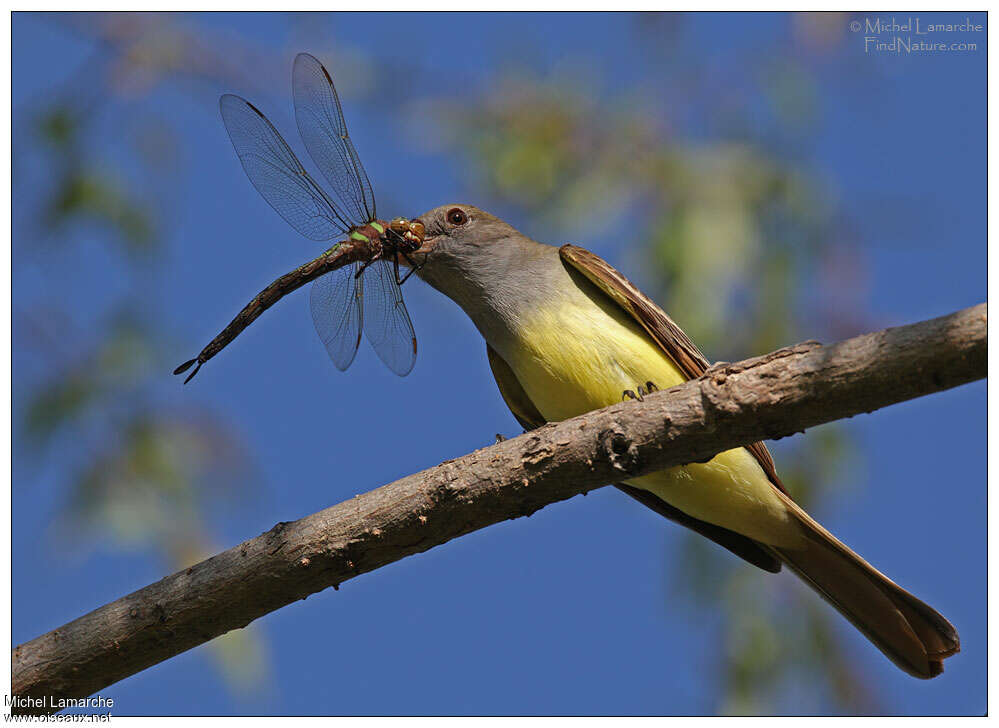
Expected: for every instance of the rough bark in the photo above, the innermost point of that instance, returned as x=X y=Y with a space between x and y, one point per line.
x=767 y=397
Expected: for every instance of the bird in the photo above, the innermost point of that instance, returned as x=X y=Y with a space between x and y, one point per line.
x=566 y=333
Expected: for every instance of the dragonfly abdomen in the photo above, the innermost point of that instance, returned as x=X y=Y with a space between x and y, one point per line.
x=340 y=255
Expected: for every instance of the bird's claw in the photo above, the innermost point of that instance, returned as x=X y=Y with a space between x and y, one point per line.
x=647 y=388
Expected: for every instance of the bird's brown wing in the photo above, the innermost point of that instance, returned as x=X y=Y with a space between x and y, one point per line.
x=529 y=418
x=657 y=323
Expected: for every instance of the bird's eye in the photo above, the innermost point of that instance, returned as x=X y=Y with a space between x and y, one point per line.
x=456 y=216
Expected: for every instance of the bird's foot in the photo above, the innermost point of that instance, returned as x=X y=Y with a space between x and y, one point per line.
x=647 y=388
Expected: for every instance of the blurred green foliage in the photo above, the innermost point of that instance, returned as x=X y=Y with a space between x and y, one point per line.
x=83 y=190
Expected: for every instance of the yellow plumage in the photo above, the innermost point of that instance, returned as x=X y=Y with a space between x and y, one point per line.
x=583 y=354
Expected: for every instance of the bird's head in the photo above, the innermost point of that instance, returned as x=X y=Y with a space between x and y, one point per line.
x=454 y=231
x=467 y=252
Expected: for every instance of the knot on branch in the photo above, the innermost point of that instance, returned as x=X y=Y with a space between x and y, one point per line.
x=277 y=530
x=620 y=450
x=537 y=451
x=275 y=537
x=448 y=485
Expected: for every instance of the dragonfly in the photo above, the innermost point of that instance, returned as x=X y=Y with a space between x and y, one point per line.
x=356 y=281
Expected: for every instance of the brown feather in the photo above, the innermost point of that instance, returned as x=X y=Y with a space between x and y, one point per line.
x=908 y=631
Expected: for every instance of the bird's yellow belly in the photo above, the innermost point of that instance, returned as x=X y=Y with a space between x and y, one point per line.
x=584 y=357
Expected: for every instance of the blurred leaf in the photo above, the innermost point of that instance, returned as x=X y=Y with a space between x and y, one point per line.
x=93 y=195
x=120 y=363
x=59 y=127
x=54 y=406
x=150 y=486
x=242 y=657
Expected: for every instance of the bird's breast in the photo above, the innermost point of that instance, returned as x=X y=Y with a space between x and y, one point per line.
x=576 y=356
x=581 y=353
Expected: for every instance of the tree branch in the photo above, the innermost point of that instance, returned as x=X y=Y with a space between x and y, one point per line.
x=731 y=405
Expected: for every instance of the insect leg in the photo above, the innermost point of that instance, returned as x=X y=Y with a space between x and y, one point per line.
x=366 y=263
x=413 y=267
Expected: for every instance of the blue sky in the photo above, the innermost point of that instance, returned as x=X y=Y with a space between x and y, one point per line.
x=568 y=611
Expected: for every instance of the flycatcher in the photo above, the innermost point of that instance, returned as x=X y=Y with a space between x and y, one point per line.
x=566 y=333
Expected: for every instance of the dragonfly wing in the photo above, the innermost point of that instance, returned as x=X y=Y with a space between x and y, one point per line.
x=321 y=124
x=335 y=301
x=386 y=321
x=276 y=172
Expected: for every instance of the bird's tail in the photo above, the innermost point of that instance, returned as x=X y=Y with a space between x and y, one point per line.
x=910 y=633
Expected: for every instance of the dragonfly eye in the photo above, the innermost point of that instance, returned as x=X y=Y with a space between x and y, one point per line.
x=456 y=216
